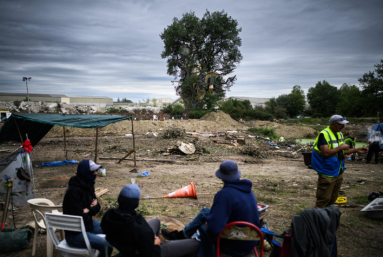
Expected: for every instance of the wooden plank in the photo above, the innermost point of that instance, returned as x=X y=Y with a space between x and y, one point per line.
x=104 y=191
x=97 y=189
x=149 y=160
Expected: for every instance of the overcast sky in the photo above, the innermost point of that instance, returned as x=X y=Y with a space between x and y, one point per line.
x=113 y=48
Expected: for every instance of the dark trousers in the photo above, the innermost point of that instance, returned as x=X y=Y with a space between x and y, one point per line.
x=175 y=248
x=327 y=190
x=373 y=149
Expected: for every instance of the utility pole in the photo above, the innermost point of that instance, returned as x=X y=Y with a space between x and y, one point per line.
x=26 y=83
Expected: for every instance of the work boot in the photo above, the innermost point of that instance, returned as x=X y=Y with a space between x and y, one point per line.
x=172 y=235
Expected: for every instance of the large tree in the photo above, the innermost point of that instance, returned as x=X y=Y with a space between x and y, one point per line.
x=351 y=102
x=323 y=99
x=372 y=84
x=195 y=48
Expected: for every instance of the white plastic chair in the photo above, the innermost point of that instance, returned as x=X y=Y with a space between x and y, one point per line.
x=155 y=117
x=40 y=206
x=70 y=223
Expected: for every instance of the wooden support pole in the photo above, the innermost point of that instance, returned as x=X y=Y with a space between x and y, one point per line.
x=134 y=145
x=95 y=154
x=66 y=150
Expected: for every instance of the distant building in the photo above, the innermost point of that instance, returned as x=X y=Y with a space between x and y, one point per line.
x=253 y=100
x=100 y=101
x=162 y=101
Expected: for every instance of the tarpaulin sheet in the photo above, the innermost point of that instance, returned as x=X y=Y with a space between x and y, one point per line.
x=38 y=125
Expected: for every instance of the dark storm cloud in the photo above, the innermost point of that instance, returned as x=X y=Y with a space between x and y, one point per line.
x=113 y=47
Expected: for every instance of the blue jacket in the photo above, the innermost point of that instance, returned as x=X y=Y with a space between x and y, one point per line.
x=235 y=202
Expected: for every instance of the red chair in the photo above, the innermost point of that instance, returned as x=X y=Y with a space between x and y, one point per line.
x=247 y=232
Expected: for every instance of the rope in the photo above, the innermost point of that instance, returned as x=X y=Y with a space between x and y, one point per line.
x=86 y=156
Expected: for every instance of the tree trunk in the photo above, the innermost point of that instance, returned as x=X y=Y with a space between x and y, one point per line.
x=186 y=112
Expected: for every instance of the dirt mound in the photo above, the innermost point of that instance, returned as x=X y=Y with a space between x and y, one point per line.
x=141 y=127
x=294 y=131
x=221 y=118
x=283 y=130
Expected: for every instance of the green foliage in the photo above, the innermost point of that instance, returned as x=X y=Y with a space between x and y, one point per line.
x=167 y=108
x=208 y=101
x=351 y=102
x=372 y=84
x=267 y=132
x=280 y=112
x=198 y=113
x=323 y=99
x=173 y=133
x=238 y=109
x=26 y=99
x=123 y=100
x=195 y=47
x=362 y=199
x=177 y=109
x=112 y=110
x=288 y=105
x=154 y=100
x=294 y=102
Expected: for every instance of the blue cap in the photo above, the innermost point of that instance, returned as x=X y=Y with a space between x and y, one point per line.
x=228 y=171
x=131 y=191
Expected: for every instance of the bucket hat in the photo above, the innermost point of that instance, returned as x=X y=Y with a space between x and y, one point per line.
x=228 y=171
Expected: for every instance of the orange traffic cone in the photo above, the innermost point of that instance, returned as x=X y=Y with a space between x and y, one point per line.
x=188 y=191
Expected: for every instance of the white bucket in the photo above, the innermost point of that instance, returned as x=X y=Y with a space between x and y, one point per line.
x=102 y=172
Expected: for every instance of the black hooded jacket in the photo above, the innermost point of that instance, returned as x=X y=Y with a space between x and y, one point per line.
x=130 y=234
x=78 y=197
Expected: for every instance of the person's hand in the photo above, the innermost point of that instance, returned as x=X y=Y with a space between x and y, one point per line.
x=86 y=210
x=344 y=147
x=362 y=149
x=94 y=203
x=206 y=224
x=157 y=240
x=355 y=139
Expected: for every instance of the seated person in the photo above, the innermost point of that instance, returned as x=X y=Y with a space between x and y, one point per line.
x=80 y=200
x=129 y=232
x=234 y=202
x=350 y=141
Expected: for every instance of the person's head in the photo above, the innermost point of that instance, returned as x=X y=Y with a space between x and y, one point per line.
x=228 y=171
x=129 y=198
x=87 y=170
x=337 y=123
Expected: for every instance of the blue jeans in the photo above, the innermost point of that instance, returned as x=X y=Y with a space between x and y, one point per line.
x=207 y=248
x=95 y=241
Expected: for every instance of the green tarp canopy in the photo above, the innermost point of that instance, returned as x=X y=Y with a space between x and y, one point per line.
x=38 y=125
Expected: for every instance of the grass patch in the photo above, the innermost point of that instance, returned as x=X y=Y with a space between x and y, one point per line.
x=108 y=198
x=361 y=199
x=301 y=207
x=268 y=132
x=318 y=128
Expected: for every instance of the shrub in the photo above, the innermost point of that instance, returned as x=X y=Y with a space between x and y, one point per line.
x=178 y=109
x=112 y=110
x=167 y=109
x=268 y=132
x=197 y=113
x=173 y=133
x=317 y=115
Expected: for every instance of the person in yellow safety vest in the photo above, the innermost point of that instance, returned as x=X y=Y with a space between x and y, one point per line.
x=328 y=160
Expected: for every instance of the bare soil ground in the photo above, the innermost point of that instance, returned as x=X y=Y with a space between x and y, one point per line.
x=285 y=184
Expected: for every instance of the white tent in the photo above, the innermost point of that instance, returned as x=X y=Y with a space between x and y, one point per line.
x=22 y=189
